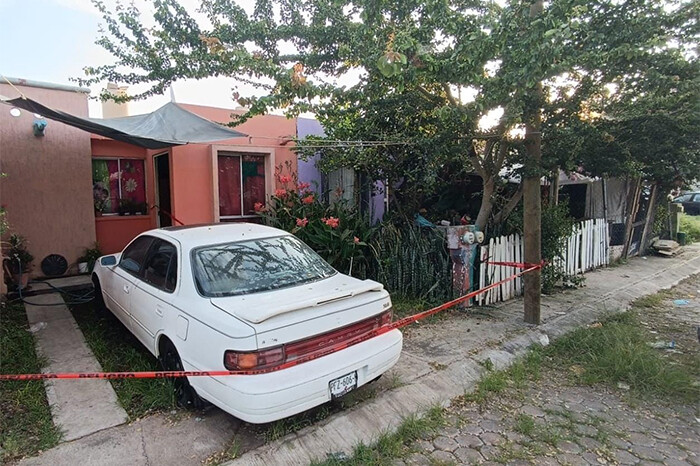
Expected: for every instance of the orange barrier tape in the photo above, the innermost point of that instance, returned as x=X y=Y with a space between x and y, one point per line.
x=310 y=357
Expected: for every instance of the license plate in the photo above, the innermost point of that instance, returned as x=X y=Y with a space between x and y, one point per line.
x=343 y=385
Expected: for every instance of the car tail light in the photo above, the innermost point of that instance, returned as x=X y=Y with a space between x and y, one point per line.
x=236 y=360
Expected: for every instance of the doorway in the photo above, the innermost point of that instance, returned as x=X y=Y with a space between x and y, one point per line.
x=162 y=175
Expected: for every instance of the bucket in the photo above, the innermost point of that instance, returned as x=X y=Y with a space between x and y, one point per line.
x=682 y=238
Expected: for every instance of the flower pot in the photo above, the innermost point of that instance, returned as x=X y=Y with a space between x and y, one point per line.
x=21 y=281
x=82 y=267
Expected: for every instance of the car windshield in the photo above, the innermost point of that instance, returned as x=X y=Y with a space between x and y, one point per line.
x=257 y=265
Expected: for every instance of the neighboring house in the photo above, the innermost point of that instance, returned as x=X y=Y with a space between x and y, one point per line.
x=47 y=190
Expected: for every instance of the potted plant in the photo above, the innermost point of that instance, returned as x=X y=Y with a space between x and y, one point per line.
x=125 y=207
x=18 y=261
x=100 y=205
x=141 y=208
x=86 y=262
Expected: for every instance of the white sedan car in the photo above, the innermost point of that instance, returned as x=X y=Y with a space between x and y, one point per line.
x=240 y=297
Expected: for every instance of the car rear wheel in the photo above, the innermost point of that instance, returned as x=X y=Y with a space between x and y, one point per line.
x=185 y=395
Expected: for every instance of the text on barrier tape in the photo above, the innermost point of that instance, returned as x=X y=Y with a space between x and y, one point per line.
x=525 y=268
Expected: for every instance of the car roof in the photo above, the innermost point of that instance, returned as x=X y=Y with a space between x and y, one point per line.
x=218 y=233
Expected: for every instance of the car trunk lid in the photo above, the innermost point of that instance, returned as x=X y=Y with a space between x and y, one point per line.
x=297 y=313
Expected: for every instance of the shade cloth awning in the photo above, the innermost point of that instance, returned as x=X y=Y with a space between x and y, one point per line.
x=170 y=125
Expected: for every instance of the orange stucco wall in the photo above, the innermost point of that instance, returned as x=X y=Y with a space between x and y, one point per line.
x=47 y=192
x=115 y=231
x=191 y=172
x=192 y=169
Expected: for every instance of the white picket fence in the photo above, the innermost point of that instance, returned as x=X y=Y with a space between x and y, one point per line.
x=586 y=249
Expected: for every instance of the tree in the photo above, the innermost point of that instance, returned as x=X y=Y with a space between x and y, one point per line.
x=414 y=63
x=420 y=58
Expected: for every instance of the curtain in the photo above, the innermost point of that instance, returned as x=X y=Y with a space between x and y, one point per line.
x=253 y=182
x=229 y=185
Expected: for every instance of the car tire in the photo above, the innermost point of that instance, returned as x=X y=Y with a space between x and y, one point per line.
x=100 y=305
x=185 y=395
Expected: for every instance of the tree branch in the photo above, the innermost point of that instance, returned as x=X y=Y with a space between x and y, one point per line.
x=448 y=93
x=502 y=152
x=428 y=95
x=476 y=161
x=510 y=205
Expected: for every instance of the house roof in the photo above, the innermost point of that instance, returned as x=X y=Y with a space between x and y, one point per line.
x=45 y=85
x=170 y=125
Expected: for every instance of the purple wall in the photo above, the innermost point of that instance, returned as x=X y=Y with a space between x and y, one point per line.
x=309 y=173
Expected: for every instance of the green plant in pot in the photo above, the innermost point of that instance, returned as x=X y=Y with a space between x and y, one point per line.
x=125 y=206
x=18 y=261
x=86 y=262
x=100 y=206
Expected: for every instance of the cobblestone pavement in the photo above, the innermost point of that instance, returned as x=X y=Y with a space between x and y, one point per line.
x=552 y=421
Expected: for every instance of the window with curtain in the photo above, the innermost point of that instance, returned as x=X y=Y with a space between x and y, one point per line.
x=119 y=186
x=241 y=184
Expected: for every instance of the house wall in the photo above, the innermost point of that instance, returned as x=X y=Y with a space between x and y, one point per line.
x=114 y=232
x=191 y=173
x=308 y=171
x=47 y=192
x=193 y=184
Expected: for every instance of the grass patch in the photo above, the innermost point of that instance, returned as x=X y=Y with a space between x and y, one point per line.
x=690 y=224
x=117 y=350
x=617 y=351
x=391 y=445
x=524 y=424
x=517 y=375
x=26 y=426
x=649 y=302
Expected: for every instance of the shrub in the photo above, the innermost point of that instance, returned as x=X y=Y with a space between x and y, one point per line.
x=338 y=232
x=412 y=262
x=557 y=226
x=691 y=226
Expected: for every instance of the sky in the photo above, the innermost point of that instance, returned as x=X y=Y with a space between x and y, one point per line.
x=52 y=40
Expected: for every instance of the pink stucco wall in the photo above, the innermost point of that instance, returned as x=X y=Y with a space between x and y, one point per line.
x=48 y=190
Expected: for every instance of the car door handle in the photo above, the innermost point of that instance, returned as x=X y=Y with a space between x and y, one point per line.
x=126 y=289
x=159 y=310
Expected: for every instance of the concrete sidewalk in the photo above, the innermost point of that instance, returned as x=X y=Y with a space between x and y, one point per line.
x=440 y=361
x=78 y=407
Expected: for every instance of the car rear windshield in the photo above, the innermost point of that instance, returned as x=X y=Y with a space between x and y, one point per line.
x=257 y=265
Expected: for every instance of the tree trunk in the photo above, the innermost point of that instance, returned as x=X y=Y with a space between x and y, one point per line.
x=486 y=204
x=532 y=199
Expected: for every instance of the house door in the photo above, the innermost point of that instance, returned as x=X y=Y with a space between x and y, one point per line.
x=162 y=174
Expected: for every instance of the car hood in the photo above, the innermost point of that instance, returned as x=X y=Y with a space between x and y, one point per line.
x=259 y=307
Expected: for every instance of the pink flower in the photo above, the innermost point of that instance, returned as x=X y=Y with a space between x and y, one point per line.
x=284 y=179
x=302 y=222
x=332 y=222
x=303 y=186
x=355 y=239
x=280 y=192
x=308 y=199
x=259 y=207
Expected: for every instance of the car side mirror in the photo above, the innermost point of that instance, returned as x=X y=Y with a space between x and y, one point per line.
x=108 y=261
